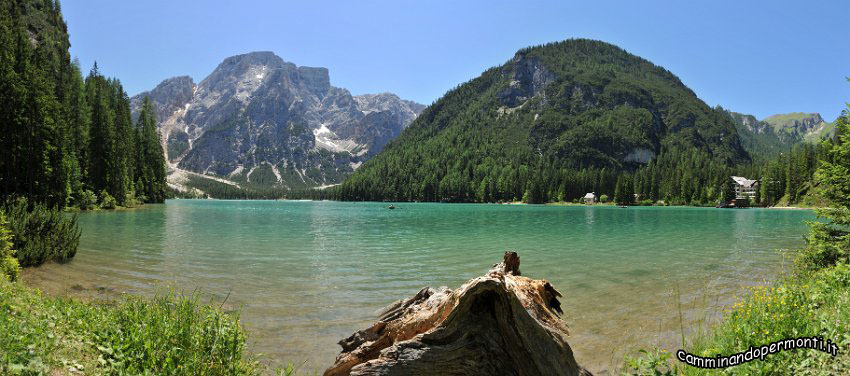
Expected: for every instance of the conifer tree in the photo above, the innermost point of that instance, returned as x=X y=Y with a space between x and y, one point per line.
x=828 y=242
x=101 y=163
x=727 y=191
x=151 y=161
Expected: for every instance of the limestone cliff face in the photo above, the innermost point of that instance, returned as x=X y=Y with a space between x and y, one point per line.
x=528 y=78
x=750 y=122
x=801 y=122
x=809 y=127
x=258 y=113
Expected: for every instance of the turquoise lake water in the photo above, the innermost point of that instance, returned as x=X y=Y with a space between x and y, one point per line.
x=307 y=274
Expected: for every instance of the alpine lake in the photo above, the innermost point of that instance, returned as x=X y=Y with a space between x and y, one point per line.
x=305 y=274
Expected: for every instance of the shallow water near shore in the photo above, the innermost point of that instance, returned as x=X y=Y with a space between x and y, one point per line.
x=307 y=274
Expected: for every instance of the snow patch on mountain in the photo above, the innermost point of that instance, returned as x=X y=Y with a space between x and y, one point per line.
x=257 y=107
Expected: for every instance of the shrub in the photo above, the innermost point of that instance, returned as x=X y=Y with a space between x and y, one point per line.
x=130 y=200
x=40 y=233
x=87 y=200
x=8 y=263
x=107 y=201
x=603 y=198
x=825 y=246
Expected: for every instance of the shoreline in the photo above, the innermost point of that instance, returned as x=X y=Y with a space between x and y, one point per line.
x=554 y=203
x=790 y=208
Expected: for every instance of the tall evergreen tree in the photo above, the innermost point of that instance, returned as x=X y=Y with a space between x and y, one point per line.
x=829 y=242
x=151 y=161
x=728 y=191
x=102 y=161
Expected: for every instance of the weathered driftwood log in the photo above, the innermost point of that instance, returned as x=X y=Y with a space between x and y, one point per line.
x=497 y=324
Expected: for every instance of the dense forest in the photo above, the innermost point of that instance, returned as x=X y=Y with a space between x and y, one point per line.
x=68 y=141
x=578 y=116
x=672 y=179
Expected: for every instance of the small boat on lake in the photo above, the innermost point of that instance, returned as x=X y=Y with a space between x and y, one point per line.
x=391 y=207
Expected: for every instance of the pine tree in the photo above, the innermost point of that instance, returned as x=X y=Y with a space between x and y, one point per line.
x=102 y=134
x=828 y=243
x=727 y=191
x=151 y=166
x=623 y=191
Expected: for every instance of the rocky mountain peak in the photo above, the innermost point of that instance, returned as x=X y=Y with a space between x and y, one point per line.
x=267 y=58
x=780 y=132
x=170 y=95
x=257 y=118
x=807 y=126
x=799 y=121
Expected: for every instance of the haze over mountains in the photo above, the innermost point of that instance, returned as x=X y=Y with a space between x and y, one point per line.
x=258 y=120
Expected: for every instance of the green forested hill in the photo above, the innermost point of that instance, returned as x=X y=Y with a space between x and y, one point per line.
x=552 y=123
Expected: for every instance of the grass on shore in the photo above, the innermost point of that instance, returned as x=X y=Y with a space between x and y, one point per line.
x=813 y=301
x=166 y=335
x=811 y=304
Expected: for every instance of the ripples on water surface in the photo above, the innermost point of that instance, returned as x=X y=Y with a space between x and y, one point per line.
x=307 y=274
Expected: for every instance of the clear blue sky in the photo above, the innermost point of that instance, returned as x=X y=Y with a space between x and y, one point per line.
x=758 y=57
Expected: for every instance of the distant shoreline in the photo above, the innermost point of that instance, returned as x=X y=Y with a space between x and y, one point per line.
x=789 y=208
x=556 y=203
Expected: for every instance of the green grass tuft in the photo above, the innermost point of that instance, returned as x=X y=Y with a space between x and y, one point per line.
x=166 y=335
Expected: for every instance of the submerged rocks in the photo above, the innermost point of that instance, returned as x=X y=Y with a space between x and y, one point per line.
x=500 y=323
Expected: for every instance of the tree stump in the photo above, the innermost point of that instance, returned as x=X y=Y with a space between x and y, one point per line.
x=497 y=324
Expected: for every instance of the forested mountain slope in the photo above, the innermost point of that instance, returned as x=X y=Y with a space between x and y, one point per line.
x=556 y=120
